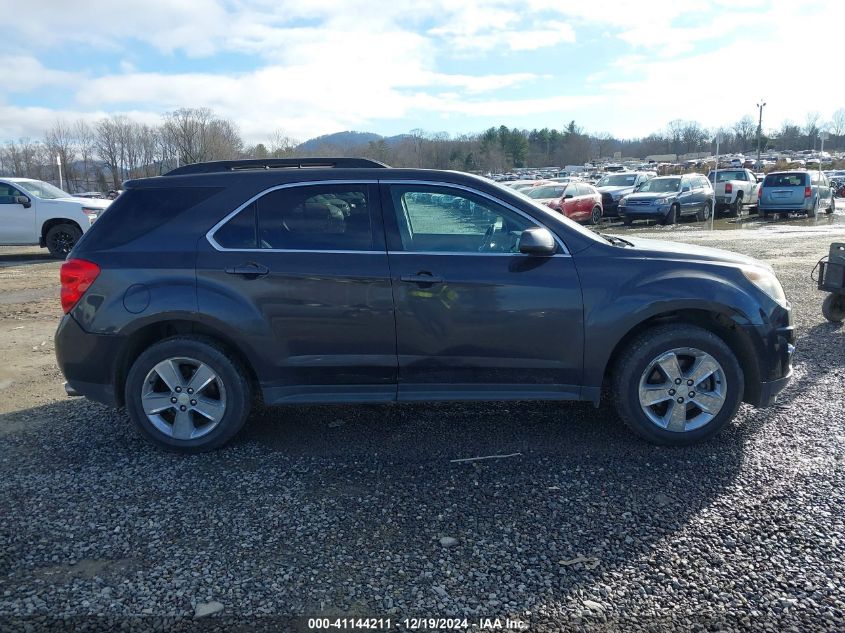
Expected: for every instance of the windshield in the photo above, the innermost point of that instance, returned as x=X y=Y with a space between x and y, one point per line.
x=661 y=185
x=41 y=189
x=542 y=193
x=725 y=176
x=618 y=180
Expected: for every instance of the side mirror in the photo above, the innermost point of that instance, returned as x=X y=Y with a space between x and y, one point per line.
x=26 y=202
x=567 y=196
x=537 y=241
x=684 y=189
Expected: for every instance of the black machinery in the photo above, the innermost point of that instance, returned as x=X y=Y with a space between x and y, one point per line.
x=832 y=279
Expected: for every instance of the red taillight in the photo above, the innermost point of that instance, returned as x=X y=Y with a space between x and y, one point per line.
x=759 y=192
x=808 y=191
x=729 y=187
x=76 y=275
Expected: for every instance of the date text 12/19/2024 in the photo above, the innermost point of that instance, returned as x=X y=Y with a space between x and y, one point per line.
x=417 y=624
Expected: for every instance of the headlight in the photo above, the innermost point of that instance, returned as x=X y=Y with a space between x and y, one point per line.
x=92 y=214
x=623 y=201
x=662 y=201
x=766 y=281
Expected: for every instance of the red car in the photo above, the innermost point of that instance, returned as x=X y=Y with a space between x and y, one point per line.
x=576 y=200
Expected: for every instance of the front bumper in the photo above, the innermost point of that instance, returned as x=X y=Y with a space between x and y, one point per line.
x=769 y=390
x=644 y=212
x=88 y=361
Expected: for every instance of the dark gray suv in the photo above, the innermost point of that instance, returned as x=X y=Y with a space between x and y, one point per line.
x=344 y=281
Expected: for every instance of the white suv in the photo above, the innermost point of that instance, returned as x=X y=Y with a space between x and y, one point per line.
x=35 y=212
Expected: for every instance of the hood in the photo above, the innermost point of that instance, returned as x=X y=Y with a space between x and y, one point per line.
x=690 y=252
x=649 y=195
x=90 y=203
x=615 y=189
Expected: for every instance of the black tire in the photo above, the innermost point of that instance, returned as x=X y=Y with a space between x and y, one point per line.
x=704 y=214
x=764 y=215
x=627 y=221
x=672 y=215
x=736 y=207
x=833 y=308
x=636 y=358
x=238 y=392
x=61 y=238
x=815 y=210
x=832 y=206
x=595 y=216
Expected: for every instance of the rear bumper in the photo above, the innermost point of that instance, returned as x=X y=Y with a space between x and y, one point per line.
x=88 y=361
x=807 y=205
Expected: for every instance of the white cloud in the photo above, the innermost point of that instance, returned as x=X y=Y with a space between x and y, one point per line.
x=325 y=65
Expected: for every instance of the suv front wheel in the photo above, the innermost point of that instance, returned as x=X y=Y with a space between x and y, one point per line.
x=187 y=395
x=677 y=384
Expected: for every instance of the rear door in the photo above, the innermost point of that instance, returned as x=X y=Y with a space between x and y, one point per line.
x=305 y=270
x=473 y=315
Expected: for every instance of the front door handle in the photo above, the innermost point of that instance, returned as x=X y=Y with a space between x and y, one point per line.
x=421 y=278
x=250 y=269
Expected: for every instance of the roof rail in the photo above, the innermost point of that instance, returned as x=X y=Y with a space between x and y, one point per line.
x=218 y=166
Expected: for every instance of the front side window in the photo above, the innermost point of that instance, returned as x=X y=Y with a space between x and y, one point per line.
x=8 y=194
x=435 y=219
x=313 y=217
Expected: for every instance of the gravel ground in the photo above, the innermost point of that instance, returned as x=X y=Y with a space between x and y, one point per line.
x=358 y=511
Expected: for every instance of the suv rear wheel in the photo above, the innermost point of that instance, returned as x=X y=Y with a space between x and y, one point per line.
x=677 y=384
x=187 y=395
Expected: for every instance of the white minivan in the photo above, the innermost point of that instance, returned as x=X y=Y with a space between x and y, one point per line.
x=36 y=212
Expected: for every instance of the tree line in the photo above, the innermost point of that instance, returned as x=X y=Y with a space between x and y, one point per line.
x=101 y=155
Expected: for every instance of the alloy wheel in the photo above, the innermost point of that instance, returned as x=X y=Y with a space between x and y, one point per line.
x=183 y=398
x=682 y=389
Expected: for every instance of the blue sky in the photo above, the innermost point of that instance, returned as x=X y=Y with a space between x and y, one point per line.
x=322 y=66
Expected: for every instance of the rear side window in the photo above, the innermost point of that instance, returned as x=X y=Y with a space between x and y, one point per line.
x=314 y=217
x=138 y=211
x=785 y=180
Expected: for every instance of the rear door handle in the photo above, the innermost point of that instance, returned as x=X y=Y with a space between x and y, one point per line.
x=421 y=278
x=249 y=269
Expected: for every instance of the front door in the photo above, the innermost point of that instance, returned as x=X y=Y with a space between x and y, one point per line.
x=17 y=224
x=305 y=269
x=474 y=317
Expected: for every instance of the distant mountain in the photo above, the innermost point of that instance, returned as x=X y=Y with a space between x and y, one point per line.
x=348 y=140
x=339 y=140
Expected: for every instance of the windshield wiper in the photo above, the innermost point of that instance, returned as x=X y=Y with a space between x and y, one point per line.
x=617 y=241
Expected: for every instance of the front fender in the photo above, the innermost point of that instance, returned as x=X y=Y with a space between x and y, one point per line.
x=649 y=290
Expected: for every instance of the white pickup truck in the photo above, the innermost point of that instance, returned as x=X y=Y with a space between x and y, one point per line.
x=35 y=212
x=734 y=189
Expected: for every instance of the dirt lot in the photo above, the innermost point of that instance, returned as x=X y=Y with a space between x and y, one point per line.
x=340 y=511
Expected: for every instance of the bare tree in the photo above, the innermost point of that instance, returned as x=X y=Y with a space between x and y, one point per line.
x=109 y=143
x=744 y=131
x=60 y=142
x=811 y=128
x=199 y=136
x=281 y=144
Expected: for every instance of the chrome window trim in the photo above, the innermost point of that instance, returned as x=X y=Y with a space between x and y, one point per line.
x=310 y=183
x=433 y=183
x=216 y=246
x=469 y=254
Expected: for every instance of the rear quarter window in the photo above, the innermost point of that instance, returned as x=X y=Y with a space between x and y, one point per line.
x=138 y=211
